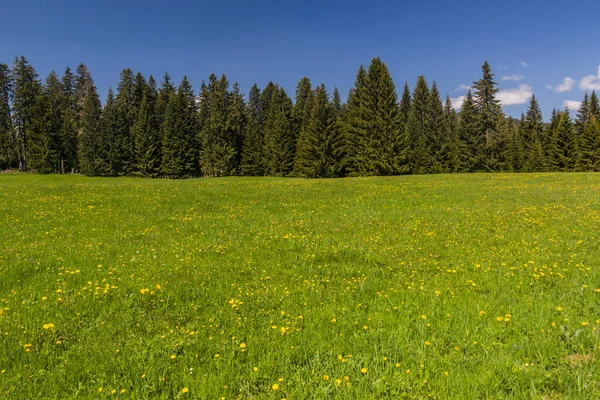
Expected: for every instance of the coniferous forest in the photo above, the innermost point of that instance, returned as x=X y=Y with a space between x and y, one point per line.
x=160 y=129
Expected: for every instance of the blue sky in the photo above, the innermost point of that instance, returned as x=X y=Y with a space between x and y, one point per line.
x=536 y=43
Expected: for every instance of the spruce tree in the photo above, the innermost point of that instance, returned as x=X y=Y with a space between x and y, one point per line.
x=121 y=155
x=253 y=148
x=595 y=105
x=354 y=126
x=302 y=109
x=45 y=140
x=583 y=115
x=140 y=88
x=83 y=80
x=436 y=140
x=405 y=102
x=92 y=155
x=590 y=145
x=237 y=119
x=565 y=154
x=513 y=151
x=7 y=145
x=453 y=149
x=489 y=119
x=532 y=137
x=25 y=107
x=417 y=126
x=468 y=134
x=339 y=142
x=279 y=137
x=68 y=129
x=146 y=137
x=218 y=146
x=107 y=139
x=179 y=151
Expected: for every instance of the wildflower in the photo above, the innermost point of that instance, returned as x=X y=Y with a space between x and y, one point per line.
x=481 y=312
x=427 y=343
x=275 y=386
x=325 y=377
x=173 y=356
x=243 y=346
x=185 y=390
x=99 y=390
x=363 y=370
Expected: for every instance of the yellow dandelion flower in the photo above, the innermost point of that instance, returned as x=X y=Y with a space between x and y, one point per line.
x=185 y=390
x=243 y=345
x=325 y=377
x=363 y=370
x=173 y=356
x=99 y=390
x=275 y=386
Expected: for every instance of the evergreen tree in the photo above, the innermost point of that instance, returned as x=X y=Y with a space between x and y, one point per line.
x=7 y=145
x=45 y=143
x=302 y=109
x=68 y=129
x=146 y=136
x=25 y=107
x=590 y=143
x=92 y=157
x=279 y=137
x=165 y=93
x=237 y=118
x=316 y=156
x=489 y=119
x=513 y=152
x=354 y=125
x=140 y=88
x=532 y=137
x=121 y=155
x=565 y=153
x=107 y=137
x=468 y=134
x=218 y=145
x=253 y=148
x=417 y=127
x=436 y=140
x=339 y=142
x=583 y=115
x=453 y=147
x=595 y=106
x=179 y=152
x=83 y=80
x=405 y=102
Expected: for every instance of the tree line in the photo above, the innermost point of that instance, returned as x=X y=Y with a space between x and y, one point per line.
x=163 y=130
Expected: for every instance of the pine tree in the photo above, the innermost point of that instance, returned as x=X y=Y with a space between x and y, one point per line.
x=583 y=115
x=417 y=126
x=467 y=132
x=590 y=145
x=179 y=152
x=83 y=80
x=302 y=109
x=68 y=130
x=489 y=119
x=25 y=107
x=7 y=145
x=436 y=140
x=165 y=93
x=279 y=137
x=218 y=154
x=253 y=148
x=121 y=152
x=92 y=155
x=339 y=143
x=513 y=156
x=140 y=88
x=595 y=106
x=405 y=102
x=532 y=136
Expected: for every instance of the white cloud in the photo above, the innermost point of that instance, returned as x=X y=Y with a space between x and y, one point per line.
x=462 y=87
x=572 y=104
x=565 y=86
x=512 y=77
x=513 y=96
x=524 y=64
x=457 y=101
x=590 y=82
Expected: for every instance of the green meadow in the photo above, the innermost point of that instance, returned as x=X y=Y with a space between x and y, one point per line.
x=440 y=286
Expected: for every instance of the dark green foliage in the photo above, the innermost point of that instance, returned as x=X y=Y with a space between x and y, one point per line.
x=237 y=118
x=25 y=110
x=253 y=145
x=7 y=144
x=583 y=114
x=489 y=117
x=417 y=127
x=44 y=144
x=564 y=153
x=318 y=154
x=218 y=144
x=140 y=88
x=405 y=102
x=354 y=126
x=121 y=155
x=513 y=155
x=279 y=136
x=83 y=80
x=92 y=152
x=595 y=106
x=453 y=146
x=68 y=130
x=179 y=148
x=590 y=145
x=436 y=140
x=301 y=113
x=147 y=142
x=532 y=137
x=468 y=134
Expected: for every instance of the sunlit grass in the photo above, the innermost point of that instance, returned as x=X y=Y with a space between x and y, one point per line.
x=451 y=286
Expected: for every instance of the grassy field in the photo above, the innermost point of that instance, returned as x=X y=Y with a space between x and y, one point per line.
x=450 y=287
